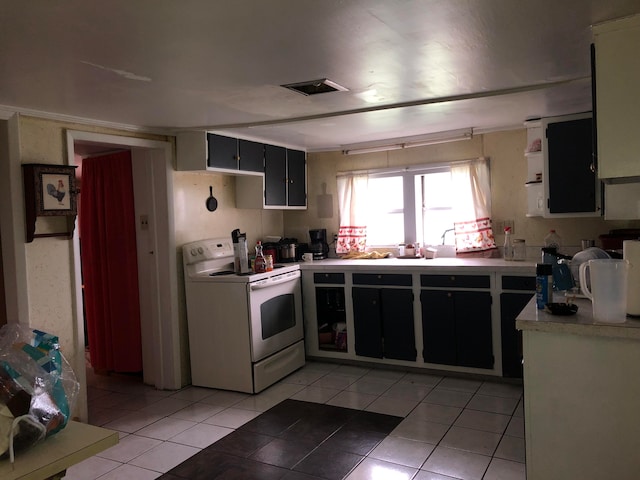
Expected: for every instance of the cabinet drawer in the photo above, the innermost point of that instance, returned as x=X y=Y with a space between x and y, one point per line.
x=382 y=279
x=512 y=282
x=329 y=278
x=466 y=281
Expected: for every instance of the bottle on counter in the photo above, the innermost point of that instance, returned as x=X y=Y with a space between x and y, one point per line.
x=508 y=246
x=268 y=263
x=553 y=240
x=260 y=263
x=544 y=284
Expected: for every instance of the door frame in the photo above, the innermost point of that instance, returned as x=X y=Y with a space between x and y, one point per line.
x=160 y=330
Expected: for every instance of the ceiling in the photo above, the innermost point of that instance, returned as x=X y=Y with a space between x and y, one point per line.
x=411 y=67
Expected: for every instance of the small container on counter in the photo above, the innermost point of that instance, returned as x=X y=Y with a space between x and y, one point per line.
x=544 y=284
x=519 y=249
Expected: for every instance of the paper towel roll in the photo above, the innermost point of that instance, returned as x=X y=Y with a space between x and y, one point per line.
x=631 y=253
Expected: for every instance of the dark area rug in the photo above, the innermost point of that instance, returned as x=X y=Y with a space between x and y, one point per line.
x=294 y=440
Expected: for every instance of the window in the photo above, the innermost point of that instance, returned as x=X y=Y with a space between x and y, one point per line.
x=411 y=206
x=432 y=205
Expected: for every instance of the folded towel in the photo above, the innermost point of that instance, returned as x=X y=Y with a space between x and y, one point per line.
x=365 y=255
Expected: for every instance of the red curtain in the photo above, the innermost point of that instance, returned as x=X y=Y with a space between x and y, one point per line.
x=109 y=263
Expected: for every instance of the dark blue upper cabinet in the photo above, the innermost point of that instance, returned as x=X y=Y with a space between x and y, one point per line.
x=234 y=154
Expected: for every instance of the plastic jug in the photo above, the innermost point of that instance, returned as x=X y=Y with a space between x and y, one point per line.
x=607 y=288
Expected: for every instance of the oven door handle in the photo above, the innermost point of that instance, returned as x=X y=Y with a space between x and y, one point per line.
x=272 y=282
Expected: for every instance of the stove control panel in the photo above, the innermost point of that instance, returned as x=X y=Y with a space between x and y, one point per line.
x=210 y=249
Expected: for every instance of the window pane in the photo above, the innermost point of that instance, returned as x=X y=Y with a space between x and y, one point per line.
x=437 y=200
x=387 y=229
x=437 y=190
x=386 y=213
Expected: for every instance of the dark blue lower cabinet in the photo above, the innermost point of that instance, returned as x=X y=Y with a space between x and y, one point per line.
x=511 y=304
x=456 y=328
x=384 y=323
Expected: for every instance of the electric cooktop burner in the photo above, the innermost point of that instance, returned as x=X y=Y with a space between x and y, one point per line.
x=231 y=272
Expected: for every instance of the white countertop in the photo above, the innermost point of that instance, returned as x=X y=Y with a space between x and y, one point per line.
x=582 y=323
x=73 y=444
x=444 y=264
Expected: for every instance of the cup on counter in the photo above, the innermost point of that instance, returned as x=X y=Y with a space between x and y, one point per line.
x=307 y=257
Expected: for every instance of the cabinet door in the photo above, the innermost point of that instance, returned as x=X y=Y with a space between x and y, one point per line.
x=275 y=175
x=367 y=322
x=511 y=304
x=222 y=152
x=251 y=156
x=474 y=345
x=617 y=76
x=330 y=311
x=572 y=178
x=296 y=176
x=438 y=327
x=398 y=330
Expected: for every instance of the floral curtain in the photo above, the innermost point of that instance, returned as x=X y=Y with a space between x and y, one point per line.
x=352 y=201
x=472 y=208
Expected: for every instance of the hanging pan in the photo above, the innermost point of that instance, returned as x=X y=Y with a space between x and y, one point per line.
x=212 y=203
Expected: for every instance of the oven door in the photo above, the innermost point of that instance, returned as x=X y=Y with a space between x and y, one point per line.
x=275 y=311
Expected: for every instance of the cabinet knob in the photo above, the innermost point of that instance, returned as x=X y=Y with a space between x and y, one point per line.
x=379 y=277
x=452 y=278
x=449 y=294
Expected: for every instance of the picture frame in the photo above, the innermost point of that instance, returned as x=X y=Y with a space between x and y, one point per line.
x=54 y=189
x=49 y=191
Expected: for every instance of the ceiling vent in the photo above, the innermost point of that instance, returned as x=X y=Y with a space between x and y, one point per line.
x=314 y=87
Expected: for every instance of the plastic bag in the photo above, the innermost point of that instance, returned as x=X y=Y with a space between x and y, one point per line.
x=38 y=388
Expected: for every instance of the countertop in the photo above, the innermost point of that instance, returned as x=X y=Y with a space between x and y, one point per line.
x=582 y=323
x=76 y=442
x=444 y=264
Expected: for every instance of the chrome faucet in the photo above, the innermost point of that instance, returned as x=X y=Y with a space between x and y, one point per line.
x=444 y=234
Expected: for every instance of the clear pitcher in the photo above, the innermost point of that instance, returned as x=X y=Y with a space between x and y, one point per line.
x=607 y=288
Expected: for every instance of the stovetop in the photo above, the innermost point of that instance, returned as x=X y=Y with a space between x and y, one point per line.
x=213 y=260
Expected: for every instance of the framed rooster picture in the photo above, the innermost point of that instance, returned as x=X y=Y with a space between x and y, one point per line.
x=53 y=187
x=49 y=191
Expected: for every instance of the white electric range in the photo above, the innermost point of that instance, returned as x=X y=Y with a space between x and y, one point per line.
x=245 y=331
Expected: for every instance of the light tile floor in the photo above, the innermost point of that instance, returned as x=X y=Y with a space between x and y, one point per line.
x=454 y=428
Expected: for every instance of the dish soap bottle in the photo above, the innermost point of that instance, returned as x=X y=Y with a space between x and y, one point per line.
x=260 y=263
x=508 y=247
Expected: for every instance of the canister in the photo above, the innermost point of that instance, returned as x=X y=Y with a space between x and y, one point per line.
x=519 y=249
x=268 y=262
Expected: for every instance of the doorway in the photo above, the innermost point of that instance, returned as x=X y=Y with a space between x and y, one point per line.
x=157 y=269
x=108 y=254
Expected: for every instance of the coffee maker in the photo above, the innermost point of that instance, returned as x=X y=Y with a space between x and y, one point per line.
x=318 y=245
